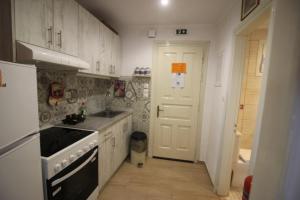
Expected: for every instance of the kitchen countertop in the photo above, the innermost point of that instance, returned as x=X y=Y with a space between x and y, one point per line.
x=98 y=123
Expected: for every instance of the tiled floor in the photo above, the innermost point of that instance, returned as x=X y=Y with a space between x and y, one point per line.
x=160 y=180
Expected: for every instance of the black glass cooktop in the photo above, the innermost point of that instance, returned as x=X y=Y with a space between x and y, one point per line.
x=55 y=139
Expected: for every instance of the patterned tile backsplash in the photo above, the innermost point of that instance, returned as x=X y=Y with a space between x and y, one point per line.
x=91 y=92
x=138 y=99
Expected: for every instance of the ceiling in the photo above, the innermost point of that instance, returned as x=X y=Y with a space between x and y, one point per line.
x=150 y=12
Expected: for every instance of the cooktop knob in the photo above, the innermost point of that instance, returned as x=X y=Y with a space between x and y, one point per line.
x=79 y=152
x=57 y=167
x=72 y=157
x=64 y=163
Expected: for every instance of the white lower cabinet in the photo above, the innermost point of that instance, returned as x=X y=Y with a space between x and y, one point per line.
x=113 y=148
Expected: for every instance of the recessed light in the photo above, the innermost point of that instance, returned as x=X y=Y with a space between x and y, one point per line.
x=164 y=2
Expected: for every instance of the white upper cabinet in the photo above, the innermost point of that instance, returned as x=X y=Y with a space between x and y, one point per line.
x=88 y=40
x=66 y=26
x=108 y=38
x=30 y=22
x=98 y=45
x=102 y=54
x=116 y=55
x=50 y=24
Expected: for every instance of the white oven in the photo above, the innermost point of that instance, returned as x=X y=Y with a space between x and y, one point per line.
x=78 y=181
x=70 y=163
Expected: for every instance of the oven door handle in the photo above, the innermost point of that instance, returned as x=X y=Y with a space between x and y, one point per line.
x=58 y=181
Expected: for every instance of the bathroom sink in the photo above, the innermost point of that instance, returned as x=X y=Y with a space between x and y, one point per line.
x=108 y=114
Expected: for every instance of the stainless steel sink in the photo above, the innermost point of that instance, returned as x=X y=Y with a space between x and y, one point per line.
x=108 y=114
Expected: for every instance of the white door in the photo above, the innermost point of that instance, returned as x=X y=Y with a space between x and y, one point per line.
x=19 y=106
x=30 y=22
x=66 y=26
x=177 y=107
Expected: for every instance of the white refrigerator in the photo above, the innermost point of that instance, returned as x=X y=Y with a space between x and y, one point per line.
x=20 y=160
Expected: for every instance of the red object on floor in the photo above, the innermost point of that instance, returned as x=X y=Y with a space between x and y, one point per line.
x=247 y=188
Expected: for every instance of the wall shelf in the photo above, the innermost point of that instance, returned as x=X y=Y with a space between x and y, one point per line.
x=141 y=76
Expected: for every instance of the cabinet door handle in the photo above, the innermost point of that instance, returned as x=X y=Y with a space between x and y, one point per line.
x=114 y=140
x=59 y=34
x=50 y=32
x=98 y=66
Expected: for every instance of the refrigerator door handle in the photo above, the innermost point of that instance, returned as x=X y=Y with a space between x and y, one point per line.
x=20 y=142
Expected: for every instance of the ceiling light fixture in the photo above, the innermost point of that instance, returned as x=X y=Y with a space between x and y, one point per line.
x=164 y=2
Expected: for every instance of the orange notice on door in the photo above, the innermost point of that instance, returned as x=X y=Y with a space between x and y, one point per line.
x=179 y=68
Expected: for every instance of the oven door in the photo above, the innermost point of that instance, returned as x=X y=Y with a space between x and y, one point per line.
x=77 y=181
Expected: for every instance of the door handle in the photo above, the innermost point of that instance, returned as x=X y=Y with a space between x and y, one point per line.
x=158 y=110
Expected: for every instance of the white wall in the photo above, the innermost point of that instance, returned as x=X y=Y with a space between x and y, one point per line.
x=276 y=173
x=225 y=44
x=137 y=51
x=137 y=47
x=292 y=182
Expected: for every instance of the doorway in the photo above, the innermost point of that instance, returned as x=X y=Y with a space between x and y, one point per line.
x=176 y=99
x=244 y=110
x=250 y=93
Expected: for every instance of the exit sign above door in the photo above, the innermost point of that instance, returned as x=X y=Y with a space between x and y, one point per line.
x=181 y=31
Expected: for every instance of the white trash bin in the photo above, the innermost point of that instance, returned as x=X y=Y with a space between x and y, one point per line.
x=138 y=148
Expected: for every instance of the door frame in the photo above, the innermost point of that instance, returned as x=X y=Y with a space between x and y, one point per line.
x=240 y=40
x=205 y=45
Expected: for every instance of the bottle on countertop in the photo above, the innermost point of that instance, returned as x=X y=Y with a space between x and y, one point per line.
x=83 y=110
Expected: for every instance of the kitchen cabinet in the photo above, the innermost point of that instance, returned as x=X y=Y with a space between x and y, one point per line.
x=112 y=52
x=106 y=159
x=117 y=154
x=51 y=24
x=31 y=22
x=66 y=27
x=101 y=45
x=101 y=159
x=88 y=40
x=116 y=54
x=65 y=15
x=114 y=148
x=108 y=38
x=98 y=45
